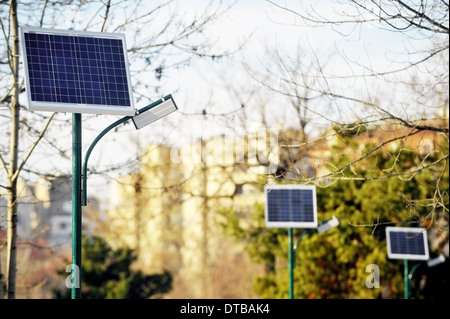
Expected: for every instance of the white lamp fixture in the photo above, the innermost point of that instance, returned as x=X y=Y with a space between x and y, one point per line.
x=333 y=222
x=436 y=261
x=154 y=112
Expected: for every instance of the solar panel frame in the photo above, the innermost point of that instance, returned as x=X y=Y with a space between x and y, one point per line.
x=296 y=200
x=76 y=71
x=415 y=248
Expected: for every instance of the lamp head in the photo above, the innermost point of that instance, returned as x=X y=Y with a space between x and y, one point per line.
x=333 y=222
x=436 y=261
x=154 y=112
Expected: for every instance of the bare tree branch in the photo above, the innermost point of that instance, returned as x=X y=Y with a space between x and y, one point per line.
x=30 y=151
x=105 y=18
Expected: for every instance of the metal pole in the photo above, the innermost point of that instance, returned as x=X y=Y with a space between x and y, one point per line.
x=293 y=259
x=406 y=275
x=76 y=206
x=291 y=264
x=410 y=275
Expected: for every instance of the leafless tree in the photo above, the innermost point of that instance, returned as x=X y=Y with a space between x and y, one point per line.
x=160 y=38
x=351 y=92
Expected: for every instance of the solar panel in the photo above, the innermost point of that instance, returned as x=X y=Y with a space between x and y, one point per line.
x=407 y=243
x=76 y=71
x=291 y=206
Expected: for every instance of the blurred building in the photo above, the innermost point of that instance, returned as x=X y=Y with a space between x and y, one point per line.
x=55 y=210
x=27 y=208
x=167 y=210
x=44 y=235
x=44 y=211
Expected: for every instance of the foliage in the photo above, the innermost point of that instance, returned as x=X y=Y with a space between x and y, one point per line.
x=264 y=245
x=333 y=264
x=106 y=273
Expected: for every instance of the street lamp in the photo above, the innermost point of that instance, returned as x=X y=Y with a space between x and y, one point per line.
x=407 y=243
x=323 y=227
x=143 y=117
x=67 y=54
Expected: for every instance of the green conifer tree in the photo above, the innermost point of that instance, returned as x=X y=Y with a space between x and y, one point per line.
x=107 y=273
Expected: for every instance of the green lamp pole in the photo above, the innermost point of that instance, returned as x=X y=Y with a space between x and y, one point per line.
x=76 y=207
x=291 y=263
x=79 y=196
x=292 y=257
x=333 y=222
x=79 y=188
x=406 y=277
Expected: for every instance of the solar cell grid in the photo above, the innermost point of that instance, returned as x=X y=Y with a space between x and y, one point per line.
x=407 y=243
x=77 y=69
x=291 y=205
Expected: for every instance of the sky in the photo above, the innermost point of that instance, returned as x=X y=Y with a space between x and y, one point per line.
x=264 y=28
x=220 y=87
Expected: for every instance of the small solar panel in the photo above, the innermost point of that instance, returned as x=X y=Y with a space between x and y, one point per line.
x=407 y=243
x=291 y=206
x=76 y=71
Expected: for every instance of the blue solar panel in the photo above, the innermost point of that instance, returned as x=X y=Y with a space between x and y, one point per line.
x=81 y=72
x=407 y=243
x=291 y=206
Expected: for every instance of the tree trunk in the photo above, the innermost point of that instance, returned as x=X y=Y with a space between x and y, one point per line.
x=12 y=178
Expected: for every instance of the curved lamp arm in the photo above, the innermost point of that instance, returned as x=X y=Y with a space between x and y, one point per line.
x=88 y=153
x=113 y=125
